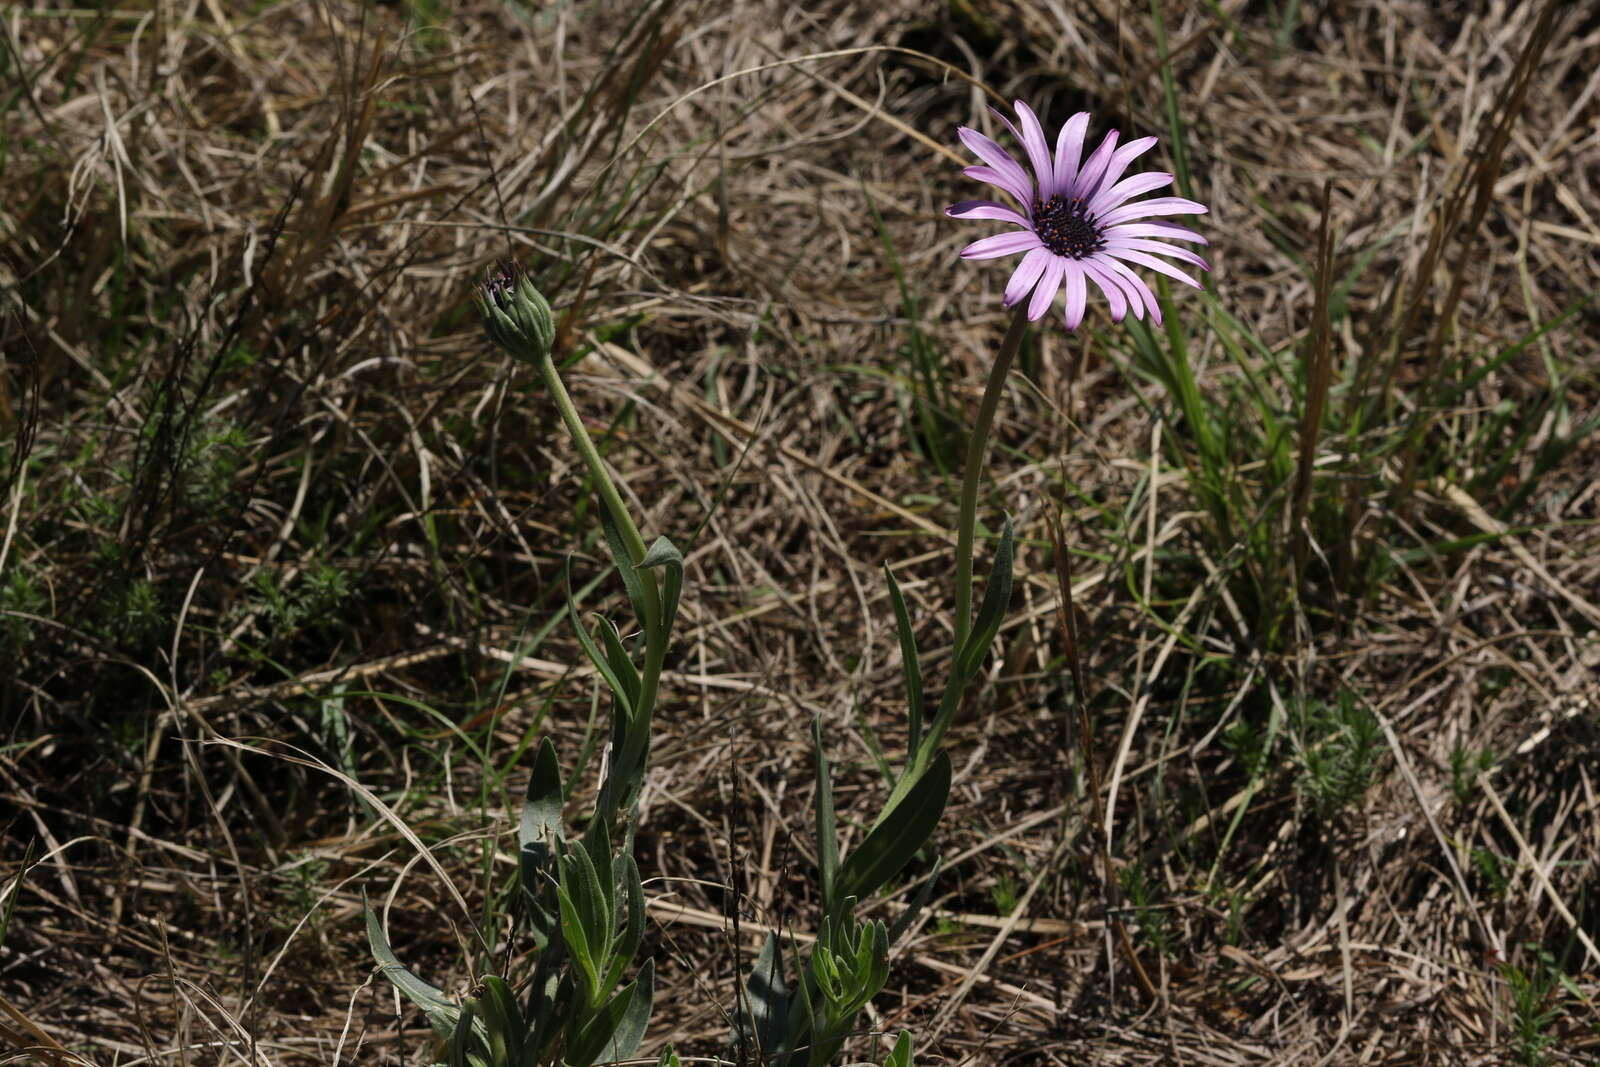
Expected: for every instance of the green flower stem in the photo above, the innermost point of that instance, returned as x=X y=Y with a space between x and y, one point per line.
x=977 y=447
x=655 y=643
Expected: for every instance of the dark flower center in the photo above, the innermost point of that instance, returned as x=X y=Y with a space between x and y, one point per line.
x=502 y=281
x=1066 y=228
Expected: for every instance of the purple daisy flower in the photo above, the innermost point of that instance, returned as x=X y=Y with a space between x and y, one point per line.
x=1077 y=225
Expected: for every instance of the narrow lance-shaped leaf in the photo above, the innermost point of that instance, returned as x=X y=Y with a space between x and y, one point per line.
x=16 y=889
x=827 y=824
x=577 y=943
x=806 y=1022
x=549 y=998
x=876 y=959
x=631 y=581
x=461 y=1039
x=918 y=902
x=630 y=1028
x=621 y=663
x=604 y=1029
x=598 y=844
x=910 y=665
x=665 y=554
x=621 y=692
x=899 y=833
x=502 y=1021
x=618 y=691
x=539 y=837
x=586 y=920
x=442 y=1014
x=824 y=963
x=625 y=776
x=541 y=805
x=625 y=876
x=992 y=612
x=901 y=1054
x=768 y=1000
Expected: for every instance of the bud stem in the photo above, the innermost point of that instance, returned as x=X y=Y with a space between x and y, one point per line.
x=655 y=642
x=977 y=446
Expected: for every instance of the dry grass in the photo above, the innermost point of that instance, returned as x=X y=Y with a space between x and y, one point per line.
x=289 y=526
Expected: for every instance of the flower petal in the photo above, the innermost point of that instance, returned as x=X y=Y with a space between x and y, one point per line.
x=1026 y=275
x=1088 y=182
x=996 y=157
x=1000 y=181
x=1108 y=286
x=1077 y=295
x=1045 y=293
x=1112 y=195
x=985 y=209
x=1157 y=229
x=1121 y=158
x=1002 y=244
x=1134 y=283
x=1161 y=205
x=1114 y=243
x=1069 y=150
x=1037 y=147
x=1160 y=266
x=1130 y=291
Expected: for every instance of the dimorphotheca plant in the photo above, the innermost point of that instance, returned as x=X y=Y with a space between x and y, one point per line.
x=848 y=964
x=581 y=896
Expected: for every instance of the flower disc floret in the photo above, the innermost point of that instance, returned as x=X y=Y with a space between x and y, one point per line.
x=1076 y=220
x=1065 y=227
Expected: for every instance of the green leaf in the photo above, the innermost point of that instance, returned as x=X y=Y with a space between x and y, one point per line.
x=541 y=805
x=606 y=1029
x=598 y=844
x=909 y=663
x=872 y=962
x=621 y=663
x=550 y=996
x=851 y=966
x=767 y=997
x=901 y=1055
x=918 y=902
x=630 y=753
x=899 y=834
x=996 y=599
x=461 y=1040
x=669 y=1058
x=442 y=1014
x=827 y=824
x=630 y=1028
x=665 y=554
x=625 y=565
x=502 y=1021
x=586 y=920
x=825 y=972
x=539 y=836
x=619 y=691
x=806 y=1022
x=601 y=663
x=625 y=876
x=543 y=907
x=577 y=942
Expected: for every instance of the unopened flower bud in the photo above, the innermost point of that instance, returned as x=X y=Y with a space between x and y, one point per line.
x=515 y=314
